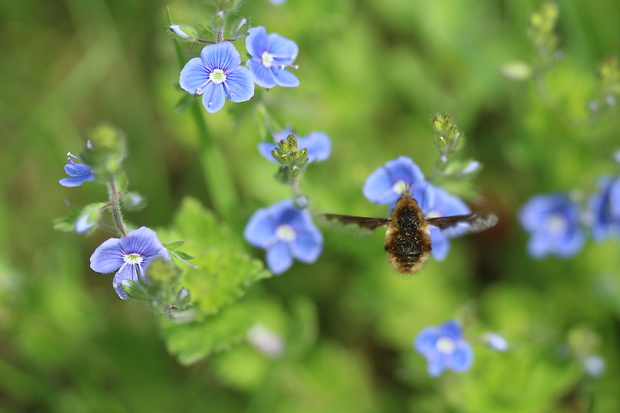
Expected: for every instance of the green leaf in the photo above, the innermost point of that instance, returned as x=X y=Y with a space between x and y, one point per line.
x=174 y=244
x=225 y=271
x=194 y=340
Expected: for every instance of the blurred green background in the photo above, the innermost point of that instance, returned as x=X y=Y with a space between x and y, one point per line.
x=372 y=74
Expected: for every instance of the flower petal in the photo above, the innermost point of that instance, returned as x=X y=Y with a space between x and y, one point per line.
x=74 y=181
x=127 y=272
x=222 y=56
x=265 y=148
x=279 y=258
x=451 y=329
x=284 y=50
x=193 y=76
x=441 y=244
x=262 y=75
x=318 y=144
x=214 y=97
x=142 y=241
x=261 y=229
x=241 y=85
x=257 y=42
x=308 y=244
x=462 y=358
x=378 y=187
x=436 y=364
x=426 y=340
x=108 y=257
x=284 y=77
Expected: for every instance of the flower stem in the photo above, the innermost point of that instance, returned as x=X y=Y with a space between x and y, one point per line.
x=220 y=188
x=116 y=208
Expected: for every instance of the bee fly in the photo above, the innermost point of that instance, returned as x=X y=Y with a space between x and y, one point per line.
x=408 y=239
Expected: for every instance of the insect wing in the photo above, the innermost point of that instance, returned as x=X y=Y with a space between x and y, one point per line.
x=359 y=226
x=464 y=224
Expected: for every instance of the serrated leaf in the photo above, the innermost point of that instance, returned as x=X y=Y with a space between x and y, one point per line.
x=225 y=271
x=223 y=276
x=194 y=340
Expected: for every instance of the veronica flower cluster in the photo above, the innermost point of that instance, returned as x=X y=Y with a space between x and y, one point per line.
x=559 y=225
x=218 y=76
x=130 y=255
x=387 y=184
x=285 y=230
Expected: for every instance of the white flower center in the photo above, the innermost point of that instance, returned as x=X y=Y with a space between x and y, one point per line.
x=445 y=345
x=217 y=76
x=267 y=59
x=285 y=232
x=399 y=187
x=133 y=258
x=556 y=223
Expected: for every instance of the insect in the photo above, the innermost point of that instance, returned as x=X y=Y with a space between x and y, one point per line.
x=408 y=239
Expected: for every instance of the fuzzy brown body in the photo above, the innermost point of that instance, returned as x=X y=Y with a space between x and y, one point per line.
x=408 y=239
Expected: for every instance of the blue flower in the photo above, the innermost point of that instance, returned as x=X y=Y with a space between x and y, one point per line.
x=387 y=183
x=318 y=144
x=553 y=223
x=130 y=255
x=277 y=2
x=444 y=348
x=217 y=76
x=604 y=209
x=271 y=54
x=496 y=342
x=285 y=232
x=78 y=172
x=439 y=203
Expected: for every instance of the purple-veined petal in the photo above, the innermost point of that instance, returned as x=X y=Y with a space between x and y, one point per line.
x=426 y=340
x=279 y=258
x=262 y=75
x=142 y=241
x=284 y=77
x=193 y=76
x=284 y=50
x=108 y=257
x=222 y=56
x=451 y=329
x=214 y=97
x=265 y=148
x=256 y=43
x=462 y=358
x=241 y=85
x=260 y=230
x=440 y=245
x=404 y=169
x=318 y=144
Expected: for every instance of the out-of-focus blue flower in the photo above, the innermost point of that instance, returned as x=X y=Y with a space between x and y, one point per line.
x=285 y=232
x=604 y=209
x=271 y=54
x=78 y=172
x=495 y=342
x=387 y=183
x=217 y=76
x=318 y=144
x=439 y=203
x=444 y=348
x=594 y=366
x=130 y=255
x=277 y=2
x=553 y=223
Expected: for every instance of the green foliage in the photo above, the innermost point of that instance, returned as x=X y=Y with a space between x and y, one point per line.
x=372 y=74
x=224 y=273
